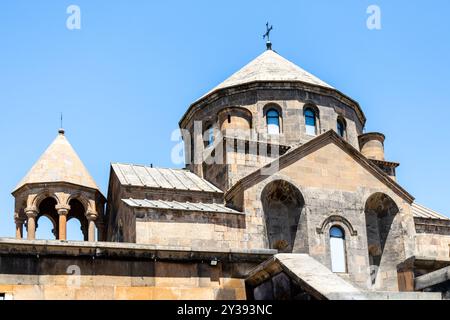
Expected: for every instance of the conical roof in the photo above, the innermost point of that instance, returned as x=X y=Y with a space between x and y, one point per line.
x=270 y=66
x=59 y=163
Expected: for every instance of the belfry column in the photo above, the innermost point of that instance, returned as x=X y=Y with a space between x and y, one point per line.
x=63 y=211
x=100 y=231
x=19 y=228
x=91 y=230
x=31 y=224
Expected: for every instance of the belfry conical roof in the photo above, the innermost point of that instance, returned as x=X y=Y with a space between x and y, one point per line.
x=270 y=66
x=59 y=163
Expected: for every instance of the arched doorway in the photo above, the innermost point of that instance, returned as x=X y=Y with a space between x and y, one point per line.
x=383 y=235
x=283 y=204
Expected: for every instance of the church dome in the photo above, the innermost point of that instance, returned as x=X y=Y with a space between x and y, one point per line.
x=270 y=67
x=265 y=72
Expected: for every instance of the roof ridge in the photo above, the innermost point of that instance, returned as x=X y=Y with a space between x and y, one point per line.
x=147 y=166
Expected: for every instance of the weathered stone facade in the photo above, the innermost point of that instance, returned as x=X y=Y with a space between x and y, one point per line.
x=277 y=161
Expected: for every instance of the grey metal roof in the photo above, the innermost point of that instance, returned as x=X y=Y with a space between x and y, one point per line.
x=420 y=211
x=175 y=205
x=175 y=179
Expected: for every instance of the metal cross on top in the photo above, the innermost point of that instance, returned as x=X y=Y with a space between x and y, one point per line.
x=267 y=35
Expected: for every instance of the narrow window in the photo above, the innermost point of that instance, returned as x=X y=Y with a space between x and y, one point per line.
x=310 y=121
x=229 y=119
x=341 y=128
x=210 y=131
x=273 y=121
x=337 y=249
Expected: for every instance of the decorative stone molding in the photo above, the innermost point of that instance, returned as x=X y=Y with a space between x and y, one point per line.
x=91 y=216
x=31 y=212
x=63 y=209
x=333 y=219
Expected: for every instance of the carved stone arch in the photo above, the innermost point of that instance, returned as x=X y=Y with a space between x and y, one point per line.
x=384 y=233
x=35 y=200
x=242 y=117
x=47 y=208
x=339 y=221
x=283 y=210
x=83 y=200
x=49 y=217
x=341 y=119
x=279 y=176
x=313 y=107
x=274 y=106
x=387 y=193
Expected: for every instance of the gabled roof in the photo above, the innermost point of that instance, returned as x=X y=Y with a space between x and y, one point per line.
x=149 y=177
x=270 y=66
x=303 y=150
x=184 y=206
x=420 y=211
x=59 y=163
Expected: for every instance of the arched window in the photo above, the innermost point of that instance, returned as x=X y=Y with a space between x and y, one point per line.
x=310 y=122
x=337 y=249
x=210 y=136
x=341 y=128
x=273 y=121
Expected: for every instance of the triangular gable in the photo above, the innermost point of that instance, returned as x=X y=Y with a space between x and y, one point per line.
x=308 y=148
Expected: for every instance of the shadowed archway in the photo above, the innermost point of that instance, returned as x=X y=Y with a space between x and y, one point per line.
x=77 y=212
x=383 y=235
x=47 y=211
x=283 y=204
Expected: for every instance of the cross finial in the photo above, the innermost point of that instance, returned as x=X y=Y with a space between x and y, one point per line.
x=267 y=35
x=61 y=128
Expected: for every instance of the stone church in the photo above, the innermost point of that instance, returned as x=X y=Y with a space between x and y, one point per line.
x=284 y=196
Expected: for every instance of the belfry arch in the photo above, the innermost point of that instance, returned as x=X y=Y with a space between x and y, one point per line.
x=283 y=205
x=47 y=209
x=60 y=188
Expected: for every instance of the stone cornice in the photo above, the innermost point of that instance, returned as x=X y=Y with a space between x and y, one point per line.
x=388 y=164
x=210 y=151
x=273 y=85
x=311 y=146
x=48 y=185
x=129 y=250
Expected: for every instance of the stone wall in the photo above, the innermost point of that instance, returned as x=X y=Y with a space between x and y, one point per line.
x=433 y=245
x=121 y=218
x=75 y=271
x=291 y=102
x=187 y=229
x=432 y=226
x=335 y=189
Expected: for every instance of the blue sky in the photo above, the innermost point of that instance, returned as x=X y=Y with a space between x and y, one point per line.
x=125 y=79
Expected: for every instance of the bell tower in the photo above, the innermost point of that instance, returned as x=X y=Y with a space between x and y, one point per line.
x=60 y=188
